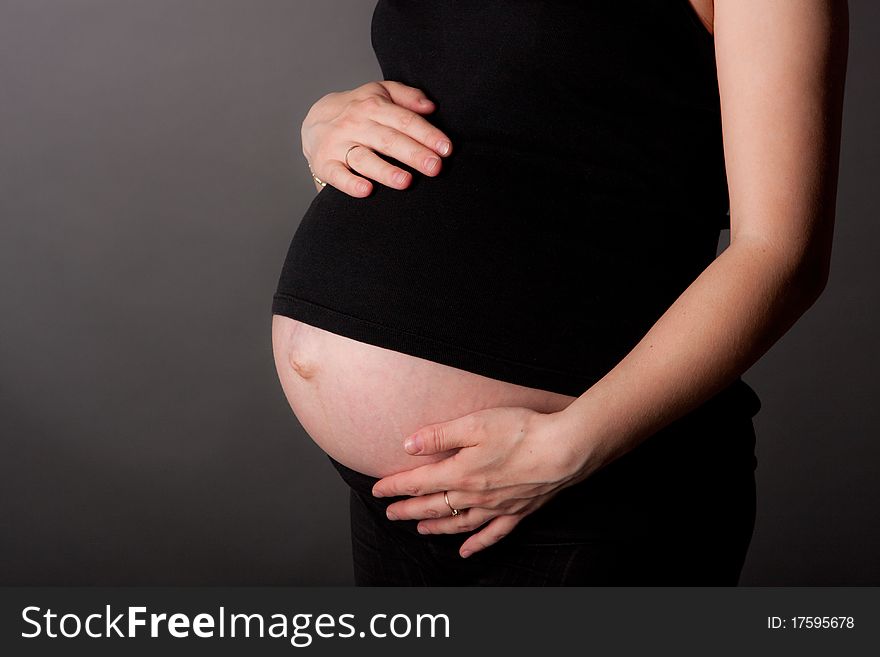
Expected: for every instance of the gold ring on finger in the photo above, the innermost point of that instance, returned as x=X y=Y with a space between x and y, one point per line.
x=350 y=149
x=455 y=511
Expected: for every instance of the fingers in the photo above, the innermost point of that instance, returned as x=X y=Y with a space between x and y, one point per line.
x=467 y=520
x=409 y=97
x=335 y=173
x=493 y=532
x=433 y=506
x=390 y=141
x=366 y=162
x=397 y=106
x=386 y=118
x=429 y=478
x=414 y=126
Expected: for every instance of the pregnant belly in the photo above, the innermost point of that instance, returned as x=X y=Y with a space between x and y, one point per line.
x=358 y=402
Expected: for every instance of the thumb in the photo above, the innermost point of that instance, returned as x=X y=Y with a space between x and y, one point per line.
x=436 y=438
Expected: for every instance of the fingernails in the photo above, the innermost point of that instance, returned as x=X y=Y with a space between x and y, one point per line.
x=391 y=515
x=432 y=163
x=424 y=102
x=377 y=493
x=465 y=554
x=400 y=177
x=413 y=444
x=422 y=530
x=443 y=147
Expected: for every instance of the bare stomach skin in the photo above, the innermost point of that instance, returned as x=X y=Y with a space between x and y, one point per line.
x=359 y=402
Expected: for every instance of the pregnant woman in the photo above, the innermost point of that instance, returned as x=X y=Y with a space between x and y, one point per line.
x=502 y=316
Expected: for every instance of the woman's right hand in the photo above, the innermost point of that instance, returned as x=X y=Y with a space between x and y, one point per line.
x=380 y=117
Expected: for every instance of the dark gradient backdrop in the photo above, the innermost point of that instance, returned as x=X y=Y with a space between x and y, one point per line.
x=150 y=180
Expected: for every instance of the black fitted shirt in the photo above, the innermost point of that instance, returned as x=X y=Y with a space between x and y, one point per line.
x=585 y=191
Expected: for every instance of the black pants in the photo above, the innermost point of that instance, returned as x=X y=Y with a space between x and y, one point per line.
x=678 y=510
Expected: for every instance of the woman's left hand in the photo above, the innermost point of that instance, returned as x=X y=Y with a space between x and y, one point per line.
x=510 y=461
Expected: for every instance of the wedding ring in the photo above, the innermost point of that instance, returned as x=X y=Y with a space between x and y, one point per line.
x=455 y=511
x=350 y=148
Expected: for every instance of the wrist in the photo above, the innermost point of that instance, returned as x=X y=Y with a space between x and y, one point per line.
x=590 y=431
x=572 y=449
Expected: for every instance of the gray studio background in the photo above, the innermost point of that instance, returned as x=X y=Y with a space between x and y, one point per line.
x=150 y=180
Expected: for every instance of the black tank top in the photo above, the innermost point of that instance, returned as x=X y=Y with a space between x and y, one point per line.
x=585 y=191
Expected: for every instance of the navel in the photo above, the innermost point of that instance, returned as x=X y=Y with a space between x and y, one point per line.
x=306 y=368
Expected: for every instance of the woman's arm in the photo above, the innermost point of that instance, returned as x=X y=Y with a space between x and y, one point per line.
x=781 y=69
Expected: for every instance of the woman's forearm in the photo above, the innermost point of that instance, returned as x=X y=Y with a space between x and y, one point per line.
x=781 y=72
x=738 y=307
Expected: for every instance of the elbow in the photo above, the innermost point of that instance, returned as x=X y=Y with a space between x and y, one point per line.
x=808 y=267
x=811 y=278
x=801 y=271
